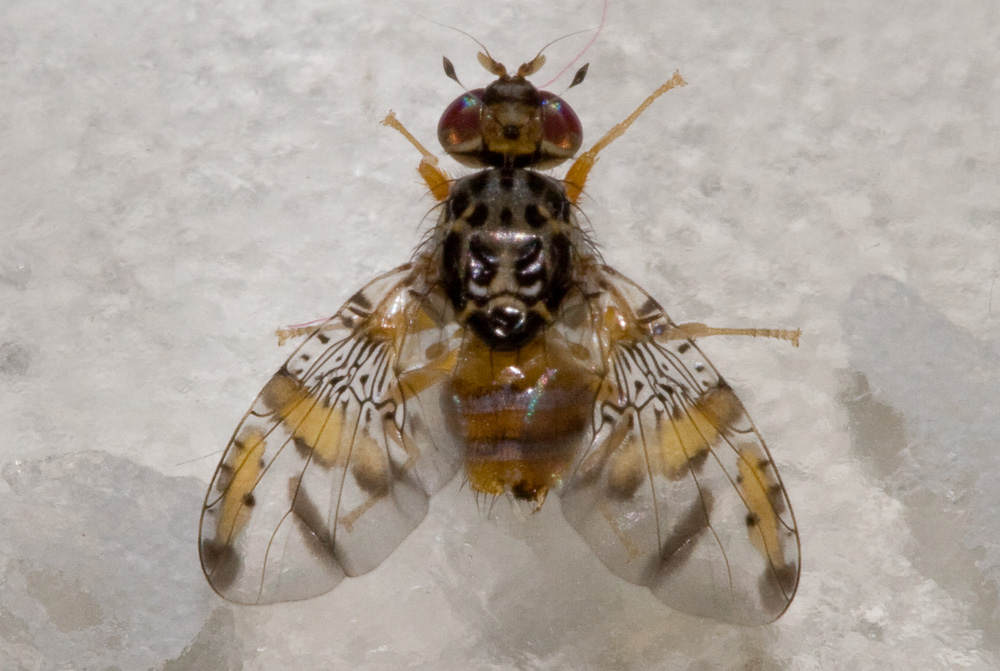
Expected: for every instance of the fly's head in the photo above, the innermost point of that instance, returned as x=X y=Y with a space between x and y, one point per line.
x=510 y=123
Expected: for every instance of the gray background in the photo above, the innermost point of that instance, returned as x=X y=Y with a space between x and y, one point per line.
x=180 y=178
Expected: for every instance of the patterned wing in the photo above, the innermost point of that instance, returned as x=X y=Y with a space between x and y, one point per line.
x=333 y=465
x=677 y=490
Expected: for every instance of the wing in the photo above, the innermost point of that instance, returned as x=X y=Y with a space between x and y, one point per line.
x=333 y=465
x=677 y=490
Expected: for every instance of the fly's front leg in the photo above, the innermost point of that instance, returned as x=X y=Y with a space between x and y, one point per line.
x=437 y=180
x=576 y=177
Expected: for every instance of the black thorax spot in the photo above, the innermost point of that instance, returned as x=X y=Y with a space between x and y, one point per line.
x=483 y=263
x=529 y=268
x=560 y=259
x=478 y=182
x=451 y=260
x=478 y=215
x=533 y=216
x=506 y=217
x=535 y=183
x=458 y=205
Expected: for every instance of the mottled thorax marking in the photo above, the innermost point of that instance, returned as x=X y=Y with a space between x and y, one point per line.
x=506 y=254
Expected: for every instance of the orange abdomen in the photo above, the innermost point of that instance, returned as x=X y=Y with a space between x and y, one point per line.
x=520 y=418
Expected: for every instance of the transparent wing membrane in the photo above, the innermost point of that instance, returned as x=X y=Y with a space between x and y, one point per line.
x=324 y=477
x=677 y=490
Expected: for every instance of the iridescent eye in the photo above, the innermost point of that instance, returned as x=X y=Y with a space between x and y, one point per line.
x=562 y=132
x=460 y=130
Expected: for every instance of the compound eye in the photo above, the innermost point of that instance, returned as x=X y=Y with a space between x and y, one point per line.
x=460 y=129
x=562 y=133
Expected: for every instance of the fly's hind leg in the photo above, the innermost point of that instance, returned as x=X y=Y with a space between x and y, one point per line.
x=694 y=330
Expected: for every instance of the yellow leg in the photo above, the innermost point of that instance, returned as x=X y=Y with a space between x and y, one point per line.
x=576 y=178
x=697 y=330
x=437 y=180
x=286 y=334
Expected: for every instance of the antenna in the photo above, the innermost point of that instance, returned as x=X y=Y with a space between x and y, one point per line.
x=599 y=29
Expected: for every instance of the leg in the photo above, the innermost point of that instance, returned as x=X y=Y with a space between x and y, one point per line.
x=436 y=179
x=694 y=330
x=576 y=178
